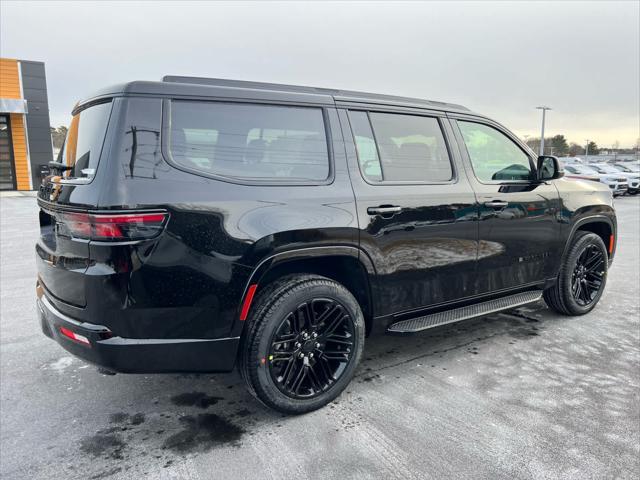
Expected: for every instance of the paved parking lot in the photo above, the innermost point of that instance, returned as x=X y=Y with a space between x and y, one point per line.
x=526 y=394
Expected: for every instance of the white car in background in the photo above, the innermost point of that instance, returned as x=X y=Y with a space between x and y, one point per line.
x=630 y=169
x=617 y=183
x=633 y=179
x=570 y=160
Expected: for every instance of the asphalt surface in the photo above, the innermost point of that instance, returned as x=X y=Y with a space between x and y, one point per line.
x=528 y=394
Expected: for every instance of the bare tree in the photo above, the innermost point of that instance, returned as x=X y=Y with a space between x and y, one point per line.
x=58 y=135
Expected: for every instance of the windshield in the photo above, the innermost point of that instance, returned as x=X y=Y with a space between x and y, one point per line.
x=630 y=169
x=82 y=147
x=606 y=169
x=581 y=169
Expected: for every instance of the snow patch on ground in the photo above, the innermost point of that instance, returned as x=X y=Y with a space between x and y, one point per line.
x=59 y=365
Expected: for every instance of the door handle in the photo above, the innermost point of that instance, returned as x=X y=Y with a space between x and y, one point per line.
x=383 y=210
x=496 y=204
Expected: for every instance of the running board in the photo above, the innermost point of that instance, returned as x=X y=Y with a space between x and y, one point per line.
x=418 y=324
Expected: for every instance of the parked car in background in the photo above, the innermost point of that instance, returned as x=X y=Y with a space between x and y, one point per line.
x=631 y=170
x=628 y=167
x=581 y=172
x=634 y=164
x=570 y=160
x=616 y=182
x=633 y=179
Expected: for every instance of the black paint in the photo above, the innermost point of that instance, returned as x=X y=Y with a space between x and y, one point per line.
x=172 y=303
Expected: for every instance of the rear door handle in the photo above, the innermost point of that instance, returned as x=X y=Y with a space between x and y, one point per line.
x=384 y=210
x=496 y=204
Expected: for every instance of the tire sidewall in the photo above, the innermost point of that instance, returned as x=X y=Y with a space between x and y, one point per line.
x=264 y=385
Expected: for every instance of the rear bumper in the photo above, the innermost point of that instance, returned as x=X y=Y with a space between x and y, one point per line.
x=127 y=355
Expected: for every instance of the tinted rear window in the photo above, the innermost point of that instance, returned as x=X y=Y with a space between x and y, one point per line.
x=263 y=142
x=410 y=148
x=84 y=140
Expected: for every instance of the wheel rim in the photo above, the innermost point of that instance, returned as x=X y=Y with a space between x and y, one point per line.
x=588 y=275
x=311 y=348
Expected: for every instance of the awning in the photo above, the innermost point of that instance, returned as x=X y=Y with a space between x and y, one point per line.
x=13 y=105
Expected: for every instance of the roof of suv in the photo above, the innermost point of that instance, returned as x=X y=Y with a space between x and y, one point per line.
x=198 y=86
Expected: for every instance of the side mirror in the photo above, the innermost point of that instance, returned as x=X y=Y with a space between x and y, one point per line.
x=549 y=168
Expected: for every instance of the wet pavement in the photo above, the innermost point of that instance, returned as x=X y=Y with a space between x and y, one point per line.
x=524 y=394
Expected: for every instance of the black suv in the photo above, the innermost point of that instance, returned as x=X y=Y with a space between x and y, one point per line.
x=194 y=224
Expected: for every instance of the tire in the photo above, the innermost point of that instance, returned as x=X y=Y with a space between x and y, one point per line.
x=268 y=369
x=562 y=296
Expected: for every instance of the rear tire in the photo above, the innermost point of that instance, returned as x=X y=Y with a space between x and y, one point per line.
x=302 y=344
x=582 y=277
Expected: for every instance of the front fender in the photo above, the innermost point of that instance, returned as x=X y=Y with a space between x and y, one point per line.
x=609 y=218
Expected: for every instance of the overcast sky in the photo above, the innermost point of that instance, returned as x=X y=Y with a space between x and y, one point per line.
x=502 y=59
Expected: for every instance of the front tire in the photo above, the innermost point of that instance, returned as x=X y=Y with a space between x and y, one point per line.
x=303 y=342
x=582 y=277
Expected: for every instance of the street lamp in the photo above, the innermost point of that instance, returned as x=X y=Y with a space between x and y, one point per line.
x=544 y=111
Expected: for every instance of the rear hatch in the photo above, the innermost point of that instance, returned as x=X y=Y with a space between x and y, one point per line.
x=65 y=198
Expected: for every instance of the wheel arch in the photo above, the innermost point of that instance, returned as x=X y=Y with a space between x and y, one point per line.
x=601 y=225
x=347 y=265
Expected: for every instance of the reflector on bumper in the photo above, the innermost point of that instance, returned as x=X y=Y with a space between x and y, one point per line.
x=75 y=336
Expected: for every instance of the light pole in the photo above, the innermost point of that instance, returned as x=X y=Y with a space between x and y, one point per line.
x=586 y=151
x=544 y=111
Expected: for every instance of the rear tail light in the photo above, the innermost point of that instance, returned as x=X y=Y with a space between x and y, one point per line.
x=114 y=227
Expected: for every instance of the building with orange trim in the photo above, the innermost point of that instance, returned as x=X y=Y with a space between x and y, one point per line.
x=25 y=135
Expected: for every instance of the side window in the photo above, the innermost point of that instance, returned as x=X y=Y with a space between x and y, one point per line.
x=243 y=141
x=494 y=156
x=366 y=146
x=410 y=148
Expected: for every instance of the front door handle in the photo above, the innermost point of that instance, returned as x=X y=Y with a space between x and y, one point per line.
x=384 y=210
x=497 y=204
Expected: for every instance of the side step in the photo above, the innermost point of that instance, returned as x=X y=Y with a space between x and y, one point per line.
x=418 y=324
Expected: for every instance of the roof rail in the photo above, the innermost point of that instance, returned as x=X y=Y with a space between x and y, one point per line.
x=344 y=95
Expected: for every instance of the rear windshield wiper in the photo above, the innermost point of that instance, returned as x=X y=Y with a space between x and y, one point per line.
x=60 y=166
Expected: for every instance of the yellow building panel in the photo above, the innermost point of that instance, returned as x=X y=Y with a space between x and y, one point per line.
x=9 y=79
x=19 y=141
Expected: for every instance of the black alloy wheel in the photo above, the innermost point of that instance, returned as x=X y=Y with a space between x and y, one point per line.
x=586 y=281
x=582 y=276
x=302 y=343
x=311 y=348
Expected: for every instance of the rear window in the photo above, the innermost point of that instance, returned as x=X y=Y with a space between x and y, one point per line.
x=83 y=144
x=396 y=147
x=251 y=142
